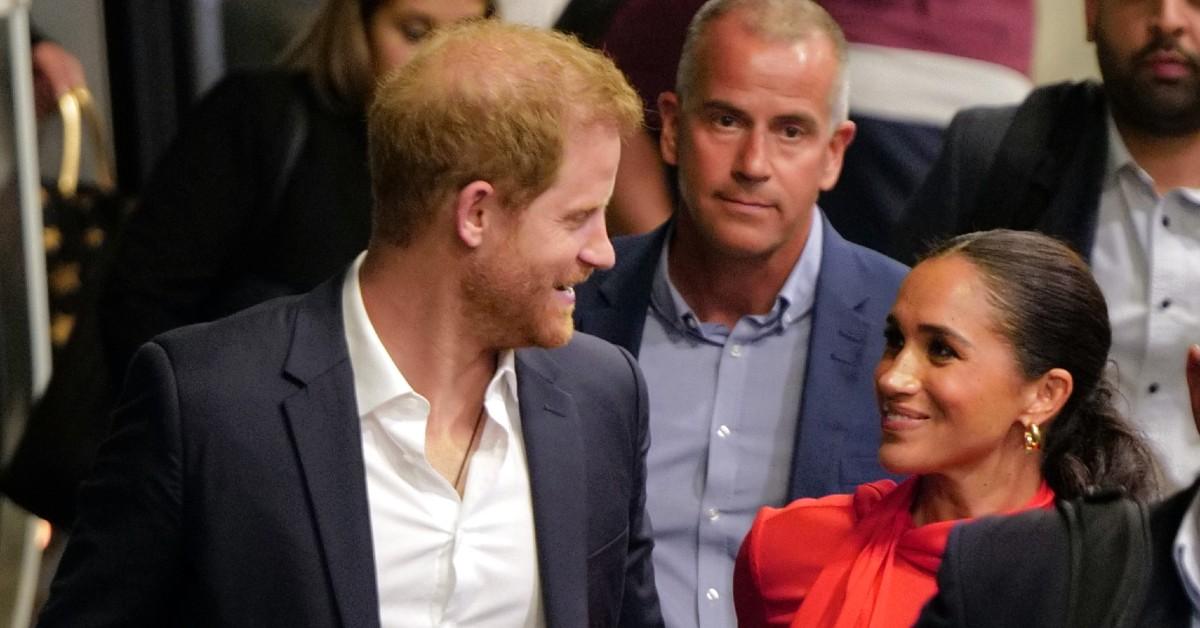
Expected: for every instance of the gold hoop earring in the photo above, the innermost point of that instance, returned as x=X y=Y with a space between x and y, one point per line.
x=1033 y=437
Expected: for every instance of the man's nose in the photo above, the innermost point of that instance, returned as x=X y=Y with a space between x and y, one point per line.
x=1172 y=17
x=751 y=163
x=598 y=251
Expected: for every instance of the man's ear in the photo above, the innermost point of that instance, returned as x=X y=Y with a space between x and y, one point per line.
x=668 y=109
x=472 y=205
x=1047 y=396
x=838 y=142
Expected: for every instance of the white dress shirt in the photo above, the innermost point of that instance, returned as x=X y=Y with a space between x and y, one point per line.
x=441 y=560
x=1146 y=259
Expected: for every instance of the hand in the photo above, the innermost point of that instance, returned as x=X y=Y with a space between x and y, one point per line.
x=55 y=72
x=1193 y=381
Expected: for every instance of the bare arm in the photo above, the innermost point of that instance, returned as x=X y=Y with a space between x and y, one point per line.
x=641 y=198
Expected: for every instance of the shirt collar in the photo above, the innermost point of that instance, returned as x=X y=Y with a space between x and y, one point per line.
x=1187 y=553
x=1118 y=153
x=1120 y=160
x=377 y=380
x=794 y=301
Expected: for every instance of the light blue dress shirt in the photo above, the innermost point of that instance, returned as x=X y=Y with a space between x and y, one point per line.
x=723 y=410
x=1187 y=556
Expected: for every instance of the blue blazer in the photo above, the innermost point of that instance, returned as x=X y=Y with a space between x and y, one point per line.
x=232 y=490
x=837 y=441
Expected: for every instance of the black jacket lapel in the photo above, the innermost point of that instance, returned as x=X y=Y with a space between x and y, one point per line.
x=554 y=451
x=323 y=422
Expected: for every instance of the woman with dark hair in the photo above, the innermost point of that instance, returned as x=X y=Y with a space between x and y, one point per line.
x=993 y=396
x=265 y=192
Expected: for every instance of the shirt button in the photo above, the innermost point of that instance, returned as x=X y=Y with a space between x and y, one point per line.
x=1153 y=388
x=1166 y=221
x=723 y=431
x=1166 y=303
x=712 y=595
x=713 y=514
x=736 y=351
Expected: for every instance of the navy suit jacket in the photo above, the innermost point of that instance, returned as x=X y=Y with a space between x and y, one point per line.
x=233 y=492
x=837 y=441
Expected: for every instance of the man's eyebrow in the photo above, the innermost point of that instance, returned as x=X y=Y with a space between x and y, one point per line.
x=795 y=118
x=721 y=105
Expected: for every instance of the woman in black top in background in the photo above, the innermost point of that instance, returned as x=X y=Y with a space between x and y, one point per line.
x=265 y=191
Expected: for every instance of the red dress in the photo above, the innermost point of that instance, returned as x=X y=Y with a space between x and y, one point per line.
x=843 y=561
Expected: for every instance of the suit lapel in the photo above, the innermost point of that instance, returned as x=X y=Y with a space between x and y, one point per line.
x=835 y=358
x=554 y=451
x=323 y=421
x=617 y=310
x=1073 y=212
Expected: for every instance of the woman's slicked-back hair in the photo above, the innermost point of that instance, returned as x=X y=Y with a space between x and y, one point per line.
x=1053 y=314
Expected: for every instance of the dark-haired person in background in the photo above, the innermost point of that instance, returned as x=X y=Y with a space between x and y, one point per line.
x=992 y=395
x=1016 y=571
x=1113 y=169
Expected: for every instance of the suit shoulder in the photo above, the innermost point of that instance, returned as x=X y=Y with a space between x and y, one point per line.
x=846 y=261
x=589 y=366
x=260 y=329
x=585 y=349
x=991 y=542
x=987 y=115
x=879 y=265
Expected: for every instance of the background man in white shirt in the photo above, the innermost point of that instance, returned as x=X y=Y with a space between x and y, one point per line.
x=375 y=452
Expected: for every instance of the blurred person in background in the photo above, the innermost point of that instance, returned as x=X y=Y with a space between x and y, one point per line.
x=265 y=191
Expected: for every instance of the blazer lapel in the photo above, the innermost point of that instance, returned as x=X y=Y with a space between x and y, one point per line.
x=835 y=360
x=1074 y=210
x=617 y=310
x=554 y=451
x=323 y=422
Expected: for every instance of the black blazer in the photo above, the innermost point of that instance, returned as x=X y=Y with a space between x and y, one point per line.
x=1048 y=153
x=223 y=223
x=1014 y=571
x=232 y=491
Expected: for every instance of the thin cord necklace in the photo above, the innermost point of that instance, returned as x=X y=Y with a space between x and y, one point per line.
x=462 y=466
